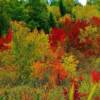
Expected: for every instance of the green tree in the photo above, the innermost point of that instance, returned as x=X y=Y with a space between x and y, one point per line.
x=52 y=20
x=4 y=24
x=62 y=8
x=95 y=2
x=16 y=9
x=38 y=15
x=69 y=5
x=54 y=2
x=4 y=17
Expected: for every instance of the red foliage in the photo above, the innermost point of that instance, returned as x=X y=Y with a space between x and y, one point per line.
x=76 y=85
x=88 y=53
x=95 y=21
x=56 y=38
x=1 y=41
x=9 y=36
x=98 y=40
x=95 y=76
x=81 y=78
x=72 y=29
x=59 y=70
x=76 y=82
x=5 y=40
x=65 y=92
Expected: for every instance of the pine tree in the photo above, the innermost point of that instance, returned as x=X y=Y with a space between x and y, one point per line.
x=38 y=15
x=4 y=18
x=52 y=20
x=62 y=8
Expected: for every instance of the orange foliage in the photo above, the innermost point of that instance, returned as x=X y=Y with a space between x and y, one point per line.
x=58 y=72
x=38 y=69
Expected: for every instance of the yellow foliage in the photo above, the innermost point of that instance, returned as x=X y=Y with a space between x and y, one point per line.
x=38 y=39
x=90 y=31
x=85 y=12
x=70 y=63
x=6 y=58
x=54 y=10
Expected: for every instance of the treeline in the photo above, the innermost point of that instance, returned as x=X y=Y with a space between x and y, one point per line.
x=42 y=15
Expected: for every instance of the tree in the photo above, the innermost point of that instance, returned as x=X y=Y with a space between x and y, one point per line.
x=54 y=2
x=69 y=5
x=95 y=2
x=4 y=17
x=52 y=20
x=62 y=8
x=16 y=9
x=38 y=15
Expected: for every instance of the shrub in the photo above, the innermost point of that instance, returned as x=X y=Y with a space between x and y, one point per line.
x=27 y=48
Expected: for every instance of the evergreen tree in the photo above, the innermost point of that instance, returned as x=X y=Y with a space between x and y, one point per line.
x=4 y=18
x=38 y=15
x=52 y=20
x=62 y=8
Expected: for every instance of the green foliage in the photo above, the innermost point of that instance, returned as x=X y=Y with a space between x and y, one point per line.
x=27 y=48
x=95 y=2
x=95 y=63
x=38 y=15
x=18 y=93
x=62 y=8
x=4 y=24
x=54 y=2
x=85 y=85
x=69 y=5
x=52 y=20
x=4 y=17
x=34 y=13
x=16 y=10
x=6 y=58
x=92 y=92
x=56 y=94
x=71 y=93
x=22 y=55
x=7 y=79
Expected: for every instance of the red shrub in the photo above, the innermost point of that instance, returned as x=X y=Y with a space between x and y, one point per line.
x=95 y=21
x=56 y=38
x=72 y=29
x=5 y=40
x=1 y=41
x=95 y=76
x=59 y=70
x=9 y=36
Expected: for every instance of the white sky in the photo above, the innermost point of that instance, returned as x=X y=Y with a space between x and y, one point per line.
x=83 y=2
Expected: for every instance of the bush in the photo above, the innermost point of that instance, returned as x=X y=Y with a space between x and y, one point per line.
x=27 y=48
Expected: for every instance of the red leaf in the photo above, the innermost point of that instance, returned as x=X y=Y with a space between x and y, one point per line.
x=9 y=36
x=95 y=76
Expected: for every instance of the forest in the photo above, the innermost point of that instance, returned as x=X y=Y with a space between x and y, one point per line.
x=49 y=49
